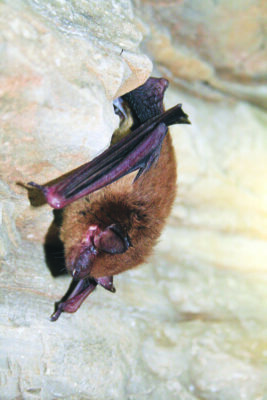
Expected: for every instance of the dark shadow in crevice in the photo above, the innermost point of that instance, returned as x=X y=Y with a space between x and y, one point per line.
x=53 y=247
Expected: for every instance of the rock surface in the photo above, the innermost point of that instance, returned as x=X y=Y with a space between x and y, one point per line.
x=214 y=48
x=192 y=323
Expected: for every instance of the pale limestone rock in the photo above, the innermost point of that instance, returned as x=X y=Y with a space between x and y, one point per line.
x=60 y=72
x=190 y=324
x=209 y=46
x=222 y=205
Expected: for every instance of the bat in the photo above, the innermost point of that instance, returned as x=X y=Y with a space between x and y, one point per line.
x=115 y=206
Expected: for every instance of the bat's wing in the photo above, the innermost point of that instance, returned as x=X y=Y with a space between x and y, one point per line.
x=136 y=151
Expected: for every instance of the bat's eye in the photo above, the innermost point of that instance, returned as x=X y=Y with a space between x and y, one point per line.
x=111 y=240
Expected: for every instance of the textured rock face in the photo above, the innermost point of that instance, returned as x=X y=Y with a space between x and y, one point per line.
x=215 y=48
x=192 y=323
x=61 y=65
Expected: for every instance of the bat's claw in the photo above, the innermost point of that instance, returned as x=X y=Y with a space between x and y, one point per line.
x=36 y=185
x=119 y=109
x=185 y=120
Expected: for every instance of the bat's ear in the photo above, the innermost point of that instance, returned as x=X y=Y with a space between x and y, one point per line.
x=112 y=240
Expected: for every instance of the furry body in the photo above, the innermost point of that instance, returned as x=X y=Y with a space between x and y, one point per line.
x=140 y=209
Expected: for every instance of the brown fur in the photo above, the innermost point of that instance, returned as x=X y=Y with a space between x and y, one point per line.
x=141 y=210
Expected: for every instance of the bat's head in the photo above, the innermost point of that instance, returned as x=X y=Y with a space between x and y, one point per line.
x=80 y=257
x=84 y=255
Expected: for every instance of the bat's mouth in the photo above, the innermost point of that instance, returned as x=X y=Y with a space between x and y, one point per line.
x=79 y=262
x=77 y=293
x=75 y=296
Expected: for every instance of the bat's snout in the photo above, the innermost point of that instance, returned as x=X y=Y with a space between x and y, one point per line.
x=81 y=265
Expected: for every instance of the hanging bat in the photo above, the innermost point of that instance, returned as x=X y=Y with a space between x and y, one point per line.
x=108 y=231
